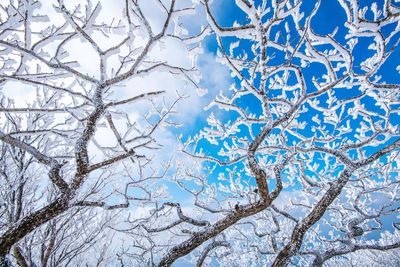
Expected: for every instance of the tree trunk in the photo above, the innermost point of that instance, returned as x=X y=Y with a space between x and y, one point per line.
x=30 y=223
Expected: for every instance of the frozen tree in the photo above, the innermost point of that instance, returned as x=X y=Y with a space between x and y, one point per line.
x=58 y=242
x=299 y=161
x=78 y=121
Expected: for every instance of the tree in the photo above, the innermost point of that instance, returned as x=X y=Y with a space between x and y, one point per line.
x=57 y=167
x=298 y=163
x=62 y=239
x=302 y=165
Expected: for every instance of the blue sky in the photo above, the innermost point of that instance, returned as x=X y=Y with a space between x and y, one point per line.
x=329 y=18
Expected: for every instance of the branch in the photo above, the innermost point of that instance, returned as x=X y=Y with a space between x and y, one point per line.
x=52 y=163
x=208 y=249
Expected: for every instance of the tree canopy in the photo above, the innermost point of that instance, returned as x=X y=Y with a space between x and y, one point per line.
x=207 y=133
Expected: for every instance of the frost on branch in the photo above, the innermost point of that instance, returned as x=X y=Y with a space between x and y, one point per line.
x=298 y=163
x=81 y=111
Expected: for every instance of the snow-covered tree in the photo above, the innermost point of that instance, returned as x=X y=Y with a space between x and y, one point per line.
x=79 y=119
x=297 y=163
